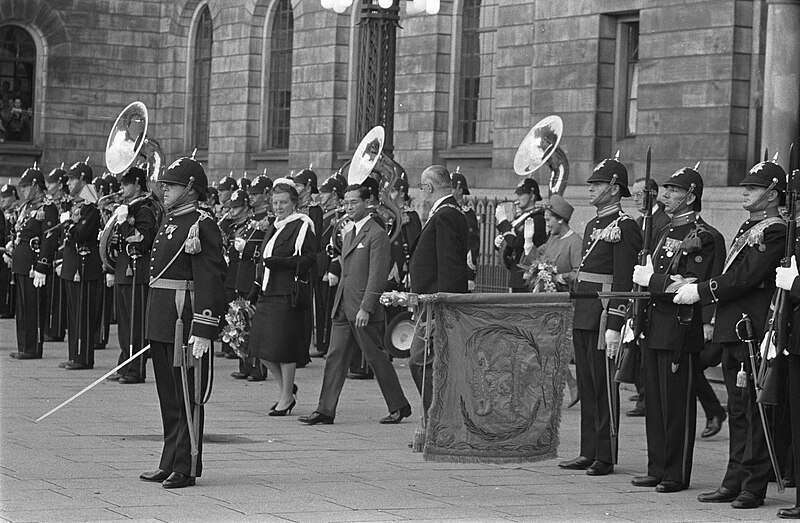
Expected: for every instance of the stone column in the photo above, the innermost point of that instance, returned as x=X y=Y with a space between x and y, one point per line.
x=781 y=121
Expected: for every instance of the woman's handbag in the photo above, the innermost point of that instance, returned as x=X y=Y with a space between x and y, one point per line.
x=301 y=291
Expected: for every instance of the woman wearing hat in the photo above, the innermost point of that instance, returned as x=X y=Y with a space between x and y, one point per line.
x=563 y=250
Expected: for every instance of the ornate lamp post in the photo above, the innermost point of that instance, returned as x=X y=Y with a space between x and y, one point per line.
x=376 y=60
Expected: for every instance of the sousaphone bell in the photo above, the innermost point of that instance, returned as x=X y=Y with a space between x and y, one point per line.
x=540 y=147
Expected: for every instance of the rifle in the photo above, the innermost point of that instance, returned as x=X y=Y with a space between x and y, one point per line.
x=776 y=340
x=634 y=318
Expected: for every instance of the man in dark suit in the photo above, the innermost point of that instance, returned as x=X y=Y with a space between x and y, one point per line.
x=659 y=221
x=745 y=286
x=438 y=262
x=357 y=314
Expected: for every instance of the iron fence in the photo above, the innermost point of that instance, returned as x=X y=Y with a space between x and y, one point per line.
x=492 y=276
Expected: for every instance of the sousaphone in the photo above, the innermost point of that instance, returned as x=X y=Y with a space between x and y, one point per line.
x=129 y=145
x=540 y=147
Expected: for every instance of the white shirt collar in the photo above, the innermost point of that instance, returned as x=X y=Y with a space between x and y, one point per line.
x=360 y=223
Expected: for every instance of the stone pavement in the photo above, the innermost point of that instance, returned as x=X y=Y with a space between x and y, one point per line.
x=83 y=462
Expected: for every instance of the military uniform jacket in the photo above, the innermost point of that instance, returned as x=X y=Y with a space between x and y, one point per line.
x=794 y=296
x=438 y=260
x=82 y=233
x=206 y=269
x=329 y=221
x=232 y=256
x=660 y=220
x=246 y=275
x=748 y=283
x=474 y=242
x=400 y=248
x=31 y=223
x=515 y=247
x=614 y=254
x=688 y=251
x=142 y=221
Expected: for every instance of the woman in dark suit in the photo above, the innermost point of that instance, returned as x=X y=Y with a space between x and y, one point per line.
x=289 y=249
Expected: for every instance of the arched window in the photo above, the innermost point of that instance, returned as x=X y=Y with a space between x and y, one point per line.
x=17 y=71
x=476 y=79
x=201 y=81
x=280 y=76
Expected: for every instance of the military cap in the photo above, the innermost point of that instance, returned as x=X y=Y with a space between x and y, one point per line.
x=213 y=195
x=687 y=178
x=57 y=175
x=81 y=171
x=457 y=180
x=135 y=175
x=401 y=184
x=527 y=186
x=605 y=172
x=560 y=207
x=102 y=186
x=239 y=198
x=32 y=176
x=187 y=172
x=373 y=186
x=305 y=176
x=9 y=190
x=244 y=182
x=764 y=174
x=261 y=184
x=333 y=184
x=227 y=184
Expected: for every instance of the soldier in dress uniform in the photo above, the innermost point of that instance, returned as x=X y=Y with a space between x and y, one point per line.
x=81 y=270
x=8 y=213
x=331 y=193
x=106 y=288
x=684 y=251
x=461 y=189
x=187 y=274
x=306 y=184
x=611 y=245
x=247 y=242
x=57 y=191
x=32 y=261
x=511 y=238
x=786 y=278
x=238 y=212
x=745 y=286
x=137 y=220
x=225 y=187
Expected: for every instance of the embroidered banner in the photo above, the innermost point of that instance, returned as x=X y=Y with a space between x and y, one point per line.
x=498 y=376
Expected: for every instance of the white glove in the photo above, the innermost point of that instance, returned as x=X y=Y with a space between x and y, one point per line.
x=500 y=214
x=687 y=295
x=498 y=242
x=643 y=273
x=121 y=214
x=199 y=346
x=239 y=244
x=7 y=259
x=109 y=280
x=530 y=229
x=39 y=279
x=58 y=270
x=333 y=280
x=64 y=217
x=612 y=343
x=708 y=332
x=10 y=246
x=784 y=276
x=471 y=285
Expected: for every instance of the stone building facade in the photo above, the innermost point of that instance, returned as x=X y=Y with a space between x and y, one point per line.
x=698 y=80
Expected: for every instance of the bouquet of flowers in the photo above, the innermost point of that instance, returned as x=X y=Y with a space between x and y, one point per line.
x=542 y=276
x=236 y=332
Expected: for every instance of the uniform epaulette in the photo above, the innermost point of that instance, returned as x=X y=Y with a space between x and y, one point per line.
x=624 y=216
x=204 y=215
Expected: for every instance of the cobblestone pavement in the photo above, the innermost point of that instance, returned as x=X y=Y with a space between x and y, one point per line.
x=83 y=462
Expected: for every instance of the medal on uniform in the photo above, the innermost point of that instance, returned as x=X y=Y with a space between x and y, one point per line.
x=170 y=229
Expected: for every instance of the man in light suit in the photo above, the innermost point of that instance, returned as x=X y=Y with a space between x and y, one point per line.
x=357 y=314
x=438 y=262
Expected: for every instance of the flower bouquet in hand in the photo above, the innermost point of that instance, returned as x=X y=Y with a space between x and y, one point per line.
x=542 y=276
x=236 y=332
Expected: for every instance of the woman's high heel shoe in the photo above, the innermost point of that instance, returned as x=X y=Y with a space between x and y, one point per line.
x=283 y=412
x=294 y=393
